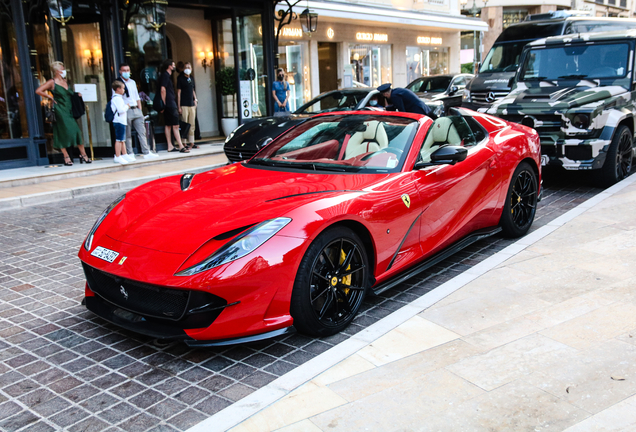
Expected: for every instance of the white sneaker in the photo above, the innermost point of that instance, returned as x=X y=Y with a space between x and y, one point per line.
x=120 y=160
x=129 y=157
x=151 y=155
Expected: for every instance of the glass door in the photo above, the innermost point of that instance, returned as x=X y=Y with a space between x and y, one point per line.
x=371 y=64
x=251 y=65
x=82 y=49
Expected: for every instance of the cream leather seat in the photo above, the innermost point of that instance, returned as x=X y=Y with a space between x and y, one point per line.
x=371 y=140
x=442 y=132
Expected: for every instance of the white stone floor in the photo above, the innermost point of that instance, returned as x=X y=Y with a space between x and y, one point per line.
x=544 y=341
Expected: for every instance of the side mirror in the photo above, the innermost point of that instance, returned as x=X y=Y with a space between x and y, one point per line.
x=447 y=155
x=453 y=90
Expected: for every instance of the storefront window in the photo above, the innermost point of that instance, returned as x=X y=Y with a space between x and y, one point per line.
x=226 y=60
x=83 y=59
x=251 y=64
x=370 y=64
x=145 y=51
x=13 y=121
x=425 y=61
x=294 y=59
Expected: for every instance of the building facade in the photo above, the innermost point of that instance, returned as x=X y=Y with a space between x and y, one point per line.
x=357 y=43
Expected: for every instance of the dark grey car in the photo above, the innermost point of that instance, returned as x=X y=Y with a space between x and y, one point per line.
x=447 y=89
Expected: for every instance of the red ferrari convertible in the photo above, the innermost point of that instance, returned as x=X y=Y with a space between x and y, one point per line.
x=341 y=205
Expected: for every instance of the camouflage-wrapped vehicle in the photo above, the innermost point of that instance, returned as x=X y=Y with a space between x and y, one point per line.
x=577 y=91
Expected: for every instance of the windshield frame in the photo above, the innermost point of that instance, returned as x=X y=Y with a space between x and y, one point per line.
x=523 y=44
x=265 y=157
x=301 y=109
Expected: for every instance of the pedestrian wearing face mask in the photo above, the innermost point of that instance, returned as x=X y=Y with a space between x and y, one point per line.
x=135 y=116
x=187 y=102
x=66 y=132
x=171 y=112
x=280 y=91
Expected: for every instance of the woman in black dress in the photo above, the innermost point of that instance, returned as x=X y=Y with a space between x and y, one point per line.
x=171 y=112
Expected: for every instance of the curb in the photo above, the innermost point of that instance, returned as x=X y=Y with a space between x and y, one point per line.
x=82 y=191
x=266 y=396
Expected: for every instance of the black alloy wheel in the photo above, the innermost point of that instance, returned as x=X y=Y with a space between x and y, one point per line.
x=331 y=283
x=521 y=202
x=618 y=163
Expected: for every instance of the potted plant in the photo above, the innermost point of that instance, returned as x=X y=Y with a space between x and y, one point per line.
x=226 y=84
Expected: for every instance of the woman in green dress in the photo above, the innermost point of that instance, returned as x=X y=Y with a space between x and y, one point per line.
x=66 y=132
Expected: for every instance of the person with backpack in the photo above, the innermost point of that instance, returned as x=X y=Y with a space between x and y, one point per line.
x=117 y=112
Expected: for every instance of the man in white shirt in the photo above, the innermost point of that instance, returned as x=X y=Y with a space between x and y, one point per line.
x=135 y=115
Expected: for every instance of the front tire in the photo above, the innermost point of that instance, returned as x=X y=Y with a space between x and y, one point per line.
x=521 y=202
x=331 y=283
x=618 y=163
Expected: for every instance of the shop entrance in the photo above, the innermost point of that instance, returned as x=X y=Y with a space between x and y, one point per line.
x=327 y=66
x=371 y=64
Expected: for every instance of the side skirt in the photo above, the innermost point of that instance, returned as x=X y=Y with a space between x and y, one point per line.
x=246 y=339
x=440 y=256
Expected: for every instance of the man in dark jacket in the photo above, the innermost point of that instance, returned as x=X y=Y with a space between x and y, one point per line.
x=404 y=100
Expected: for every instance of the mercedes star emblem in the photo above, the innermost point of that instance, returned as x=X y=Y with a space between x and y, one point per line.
x=490 y=97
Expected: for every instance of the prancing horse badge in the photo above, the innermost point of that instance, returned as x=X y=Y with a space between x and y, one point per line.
x=407 y=200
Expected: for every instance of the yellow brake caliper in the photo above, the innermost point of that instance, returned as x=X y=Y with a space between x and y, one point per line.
x=347 y=279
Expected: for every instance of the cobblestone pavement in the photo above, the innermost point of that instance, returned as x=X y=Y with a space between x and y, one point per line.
x=62 y=368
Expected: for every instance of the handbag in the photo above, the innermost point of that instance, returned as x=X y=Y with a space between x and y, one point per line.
x=157 y=103
x=77 y=106
x=49 y=113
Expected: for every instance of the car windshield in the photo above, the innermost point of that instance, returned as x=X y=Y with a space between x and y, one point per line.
x=333 y=101
x=342 y=143
x=430 y=85
x=578 y=62
x=503 y=57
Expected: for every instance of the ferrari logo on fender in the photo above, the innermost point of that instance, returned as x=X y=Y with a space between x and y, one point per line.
x=407 y=200
x=121 y=261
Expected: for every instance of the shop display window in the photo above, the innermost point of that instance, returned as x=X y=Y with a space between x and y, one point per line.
x=13 y=121
x=294 y=59
x=370 y=64
x=427 y=61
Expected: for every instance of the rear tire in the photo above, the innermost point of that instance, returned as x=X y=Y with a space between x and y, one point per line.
x=618 y=163
x=521 y=202
x=331 y=283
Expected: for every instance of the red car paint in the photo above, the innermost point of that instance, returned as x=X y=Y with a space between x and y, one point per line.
x=162 y=229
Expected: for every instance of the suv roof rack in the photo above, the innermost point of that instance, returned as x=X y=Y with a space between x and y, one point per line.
x=557 y=14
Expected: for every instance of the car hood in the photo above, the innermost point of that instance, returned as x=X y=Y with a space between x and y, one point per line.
x=160 y=216
x=266 y=127
x=491 y=82
x=551 y=98
x=431 y=97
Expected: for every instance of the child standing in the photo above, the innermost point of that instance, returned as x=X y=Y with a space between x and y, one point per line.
x=120 y=121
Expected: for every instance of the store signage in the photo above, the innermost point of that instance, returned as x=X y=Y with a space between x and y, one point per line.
x=375 y=37
x=291 y=32
x=330 y=33
x=429 y=40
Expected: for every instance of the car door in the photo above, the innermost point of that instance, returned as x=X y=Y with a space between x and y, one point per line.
x=456 y=199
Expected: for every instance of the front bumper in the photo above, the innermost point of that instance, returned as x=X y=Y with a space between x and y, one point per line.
x=574 y=154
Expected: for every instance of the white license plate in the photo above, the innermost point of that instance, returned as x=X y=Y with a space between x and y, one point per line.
x=105 y=254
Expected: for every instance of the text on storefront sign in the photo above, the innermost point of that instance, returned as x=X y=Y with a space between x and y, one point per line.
x=375 y=37
x=429 y=40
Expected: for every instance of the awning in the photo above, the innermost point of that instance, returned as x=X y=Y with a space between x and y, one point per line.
x=390 y=17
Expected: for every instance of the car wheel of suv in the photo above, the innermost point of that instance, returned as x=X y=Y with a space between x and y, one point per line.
x=521 y=202
x=331 y=283
x=618 y=163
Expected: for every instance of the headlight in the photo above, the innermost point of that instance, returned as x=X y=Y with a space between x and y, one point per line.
x=91 y=233
x=466 y=96
x=231 y=135
x=581 y=121
x=242 y=245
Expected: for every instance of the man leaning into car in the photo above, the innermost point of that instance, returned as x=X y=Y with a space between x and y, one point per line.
x=404 y=100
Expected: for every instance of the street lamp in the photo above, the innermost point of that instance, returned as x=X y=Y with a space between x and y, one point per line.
x=61 y=10
x=155 y=11
x=309 y=21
